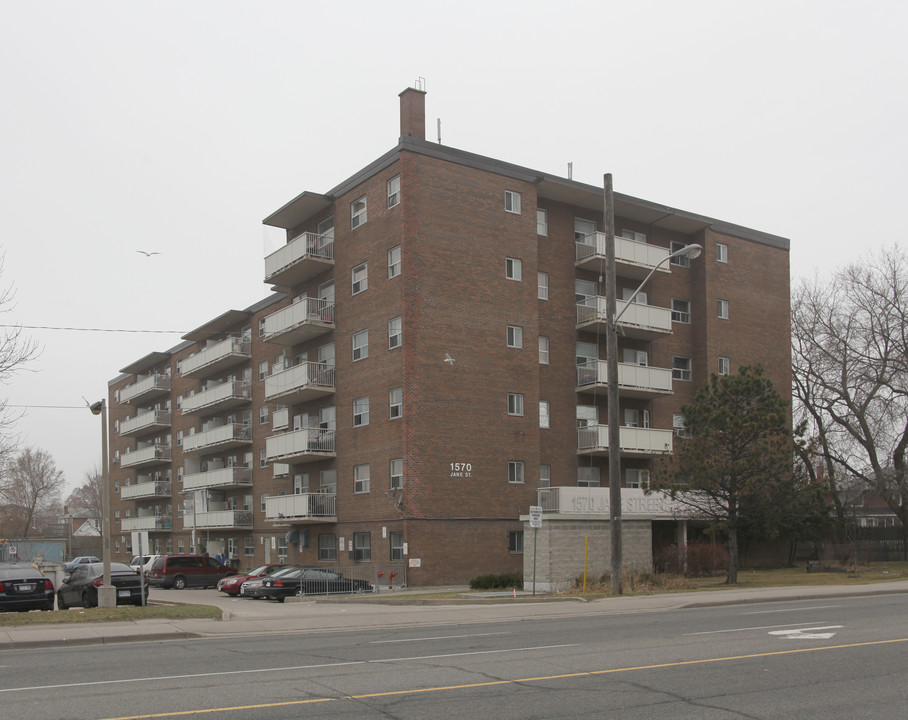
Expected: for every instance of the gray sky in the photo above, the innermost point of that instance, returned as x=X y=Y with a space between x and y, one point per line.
x=178 y=126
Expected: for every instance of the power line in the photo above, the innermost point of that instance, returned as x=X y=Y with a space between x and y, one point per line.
x=86 y=329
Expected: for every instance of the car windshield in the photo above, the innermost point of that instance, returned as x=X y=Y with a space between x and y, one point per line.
x=285 y=571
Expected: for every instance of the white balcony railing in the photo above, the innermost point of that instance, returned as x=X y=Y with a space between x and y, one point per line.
x=300 y=444
x=147 y=386
x=150 y=522
x=638 y=321
x=300 y=321
x=161 y=488
x=222 y=477
x=632 y=259
x=303 y=506
x=228 y=393
x=635 y=502
x=145 y=456
x=219 y=355
x=308 y=377
x=300 y=259
x=231 y=434
x=218 y=519
x=633 y=441
x=633 y=380
x=147 y=421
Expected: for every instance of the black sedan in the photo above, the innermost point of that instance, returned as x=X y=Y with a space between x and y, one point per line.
x=23 y=587
x=310 y=581
x=81 y=587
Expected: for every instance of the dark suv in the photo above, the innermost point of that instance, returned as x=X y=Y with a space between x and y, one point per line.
x=180 y=571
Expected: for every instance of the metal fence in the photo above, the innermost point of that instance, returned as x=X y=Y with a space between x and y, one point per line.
x=31 y=551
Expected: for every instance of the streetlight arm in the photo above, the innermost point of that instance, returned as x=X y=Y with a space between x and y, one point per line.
x=690 y=251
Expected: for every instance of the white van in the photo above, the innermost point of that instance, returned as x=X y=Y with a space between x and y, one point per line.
x=143 y=563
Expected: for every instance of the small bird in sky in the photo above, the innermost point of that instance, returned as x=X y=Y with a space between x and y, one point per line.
x=148 y=254
x=449 y=359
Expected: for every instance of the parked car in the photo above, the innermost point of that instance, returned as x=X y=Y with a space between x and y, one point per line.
x=231 y=584
x=181 y=571
x=253 y=586
x=81 y=587
x=143 y=562
x=310 y=581
x=80 y=560
x=23 y=587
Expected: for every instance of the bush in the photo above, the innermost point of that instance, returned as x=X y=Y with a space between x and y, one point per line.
x=504 y=581
x=704 y=559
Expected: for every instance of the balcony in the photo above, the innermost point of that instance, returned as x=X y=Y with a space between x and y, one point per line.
x=217 y=358
x=306 y=381
x=145 y=389
x=642 y=322
x=633 y=441
x=299 y=260
x=151 y=455
x=231 y=477
x=305 y=445
x=635 y=502
x=218 y=519
x=292 y=509
x=224 y=437
x=151 y=523
x=299 y=322
x=640 y=381
x=225 y=396
x=632 y=259
x=147 y=422
x=153 y=489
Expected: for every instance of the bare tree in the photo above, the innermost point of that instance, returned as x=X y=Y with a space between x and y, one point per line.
x=89 y=496
x=30 y=484
x=850 y=369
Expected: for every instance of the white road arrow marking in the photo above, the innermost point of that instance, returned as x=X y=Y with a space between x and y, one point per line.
x=807 y=633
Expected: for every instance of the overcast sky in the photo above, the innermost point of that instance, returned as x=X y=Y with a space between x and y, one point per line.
x=177 y=127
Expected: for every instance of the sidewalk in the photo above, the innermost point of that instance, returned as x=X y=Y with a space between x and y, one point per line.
x=408 y=609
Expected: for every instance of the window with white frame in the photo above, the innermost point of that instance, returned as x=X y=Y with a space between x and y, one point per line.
x=636 y=418
x=282 y=546
x=248 y=547
x=327 y=548
x=542 y=285
x=724 y=366
x=587 y=415
x=263 y=497
x=543 y=350
x=362 y=547
x=542 y=222
x=513 y=269
x=515 y=336
x=360 y=345
x=512 y=201
x=636 y=478
x=395 y=332
x=515 y=541
x=637 y=237
x=681 y=368
x=394 y=262
x=635 y=357
x=358 y=212
x=396 y=403
x=515 y=472
x=394 y=191
x=360 y=478
x=544 y=413
x=584 y=290
x=397 y=545
x=679 y=426
x=586 y=352
x=722 y=252
x=180 y=474
x=545 y=476
x=300 y=483
x=588 y=476
x=681 y=311
x=263 y=369
x=680 y=260
x=397 y=473
x=361 y=412
x=263 y=415
x=263 y=459
x=515 y=404
x=722 y=309
x=583 y=228
x=360 y=278
x=261 y=327
x=179 y=438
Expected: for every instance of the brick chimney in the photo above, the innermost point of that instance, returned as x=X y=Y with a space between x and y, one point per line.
x=413 y=113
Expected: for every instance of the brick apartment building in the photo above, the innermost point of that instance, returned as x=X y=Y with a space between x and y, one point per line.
x=429 y=363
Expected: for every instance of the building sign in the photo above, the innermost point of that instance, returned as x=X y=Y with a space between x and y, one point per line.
x=595 y=501
x=460 y=469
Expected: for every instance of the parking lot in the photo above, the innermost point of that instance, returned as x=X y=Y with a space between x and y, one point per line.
x=236 y=606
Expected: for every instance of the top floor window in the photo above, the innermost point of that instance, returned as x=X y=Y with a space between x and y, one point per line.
x=394 y=191
x=582 y=228
x=681 y=260
x=513 y=269
x=512 y=201
x=542 y=222
x=633 y=235
x=721 y=252
x=358 y=212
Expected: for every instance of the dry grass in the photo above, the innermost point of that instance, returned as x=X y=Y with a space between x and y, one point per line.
x=127 y=613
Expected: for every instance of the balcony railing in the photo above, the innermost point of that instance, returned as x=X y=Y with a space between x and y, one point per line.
x=643 y=322
x=304 y=506
x=222 y=438
x=306 y=381
x=161 y=488
x=218 y=357
x=221 y=397
x=147 y=422
x=632 y=259
x=301 y=321
x=635 y=502
x=218 y=519
x=151 y=522
x=633 y=380
x=151 y=455
x=633 y=441
x=299 y=260
x=221 y=478
x=146 y=388
x=305 y=445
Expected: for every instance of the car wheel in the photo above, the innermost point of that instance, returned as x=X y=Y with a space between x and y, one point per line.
x=86 y=600
x=279 y=598
x=61 y=604
x=179 y=582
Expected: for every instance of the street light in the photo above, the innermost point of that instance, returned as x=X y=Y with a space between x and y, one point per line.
x=612 y=317
x=106 y=593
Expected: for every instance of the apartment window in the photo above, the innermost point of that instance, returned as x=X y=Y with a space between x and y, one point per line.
x=263 y=415
x=397 y=473
x=394 y=262
x=637 y=237
x=582 y=228
x=263 y=369
x=515 y=542
x=585 y=353
x=395 y=333
x=361 y=412
x=515 y=472
x=542 y=286
x=180 y=474
x=588 y=476
x=681 y=368
x=358 y=213
x=396 y=403
x=724 y=366
x=635 y=357
x=721 y=252
x=635 y=478
x=681 y=311
x=587 y=415
x=512 y=201
x=360 y=278
x=681 y=260
x=262 y=498
x=545 y=476
x=362 y=547
x=263 y=459
x=360 y=345
x=327 y=548
x=397 y=545
x=679 y=426
x=636 y=418
x=542 y=222
x=325 y=229
x=282 y=546
x=543 y=350
x=515 y=404
x=360 y=478
x=179 y=405
x=584 y=290
x=394 y=191
x=179 y=438
x=515 y=336
x=261 y=327
x=722 y=309
x=300 y=483
x=544 y=413
x=513 y=269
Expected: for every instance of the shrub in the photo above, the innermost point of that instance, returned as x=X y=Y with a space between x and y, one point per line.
x=504 y=581
x=704 y=559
